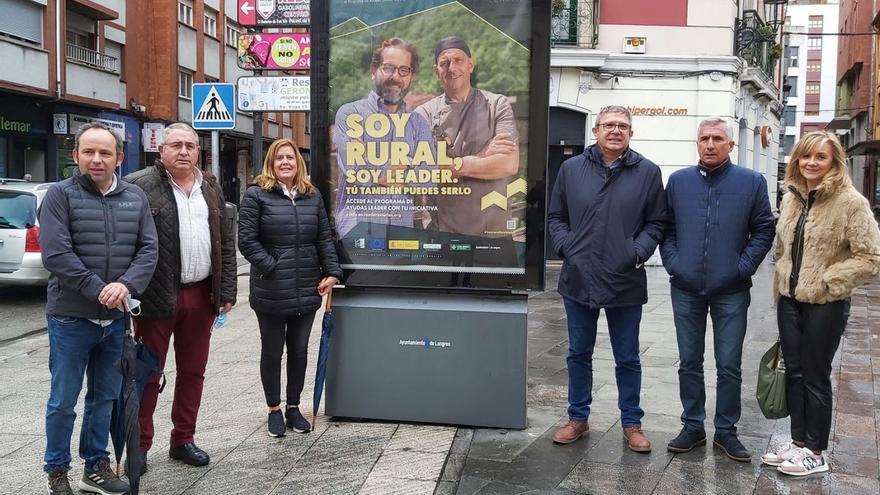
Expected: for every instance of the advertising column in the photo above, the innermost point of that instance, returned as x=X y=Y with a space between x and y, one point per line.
x=438 y=148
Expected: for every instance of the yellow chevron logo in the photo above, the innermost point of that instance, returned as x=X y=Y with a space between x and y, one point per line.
x=517 y=186
x=493 y=198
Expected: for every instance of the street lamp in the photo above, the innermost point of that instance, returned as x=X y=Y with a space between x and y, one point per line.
x=773 y=13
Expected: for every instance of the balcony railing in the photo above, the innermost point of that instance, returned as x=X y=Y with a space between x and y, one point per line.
x=575 y=23
x=98 y=60
x=756 y=42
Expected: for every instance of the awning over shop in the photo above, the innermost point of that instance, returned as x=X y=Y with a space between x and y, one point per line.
x=870 y=147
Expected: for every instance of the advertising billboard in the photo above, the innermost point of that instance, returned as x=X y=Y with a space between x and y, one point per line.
x=280 y=51
x=274 y=93
x=273 y=13
x=430 y=102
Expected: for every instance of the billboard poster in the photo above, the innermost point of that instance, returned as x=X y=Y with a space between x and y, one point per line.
x=274 y=93
x=281 y=51
x=430 y=105
x=273 y=13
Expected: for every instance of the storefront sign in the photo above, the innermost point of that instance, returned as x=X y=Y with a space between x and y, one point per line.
x=288 y=51
x=77 y=121
x=276 y=13
x=152 y=136
x=656 y=111
x=14 y=125
x=274 y=94
x=59 y=123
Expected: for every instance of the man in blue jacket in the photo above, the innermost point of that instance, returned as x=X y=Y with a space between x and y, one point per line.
x=99 y=243
x=607 y=213
x=721 y=229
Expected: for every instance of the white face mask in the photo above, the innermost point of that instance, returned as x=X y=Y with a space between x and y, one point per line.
x=134 y=306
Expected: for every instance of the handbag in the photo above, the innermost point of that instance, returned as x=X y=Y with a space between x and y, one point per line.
x=771 y=383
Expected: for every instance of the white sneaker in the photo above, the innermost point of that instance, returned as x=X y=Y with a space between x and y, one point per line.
x=782 y=454
x=803 y=463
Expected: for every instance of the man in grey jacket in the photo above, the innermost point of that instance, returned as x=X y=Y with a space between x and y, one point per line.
x=99 y=244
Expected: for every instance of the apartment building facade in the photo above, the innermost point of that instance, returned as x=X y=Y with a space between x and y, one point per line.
x=672 y=63
x=128 y=63
x=810 y=68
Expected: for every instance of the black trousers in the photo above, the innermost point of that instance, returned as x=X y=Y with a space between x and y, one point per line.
x=810 y=335
x=275 y=332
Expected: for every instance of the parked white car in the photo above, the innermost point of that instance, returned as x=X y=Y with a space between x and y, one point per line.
x=20 y=262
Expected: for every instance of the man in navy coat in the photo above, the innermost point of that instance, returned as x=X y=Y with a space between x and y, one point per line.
x=721 y=228
x=607 y=213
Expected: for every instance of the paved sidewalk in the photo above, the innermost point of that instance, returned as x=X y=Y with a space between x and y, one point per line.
x=388 y=458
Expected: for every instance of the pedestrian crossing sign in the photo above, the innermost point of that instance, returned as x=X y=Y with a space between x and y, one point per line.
x=213 y=105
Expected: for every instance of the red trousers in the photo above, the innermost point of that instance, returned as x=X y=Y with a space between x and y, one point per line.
x=191 y=326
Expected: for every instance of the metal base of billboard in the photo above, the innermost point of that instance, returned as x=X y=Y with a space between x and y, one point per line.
x=429 y=357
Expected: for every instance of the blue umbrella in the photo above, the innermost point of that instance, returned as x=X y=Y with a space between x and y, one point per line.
x=136 y=364
x=323 y=353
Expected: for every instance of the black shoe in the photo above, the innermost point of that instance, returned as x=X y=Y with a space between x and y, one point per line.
x=732 y=447
x=687 y=440
x=143 y=468
x=276 y=423
x=296 y=421
x=58 y=484
x=189 y=454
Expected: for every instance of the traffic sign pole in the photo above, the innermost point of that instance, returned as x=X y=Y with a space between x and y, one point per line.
x=215 y=154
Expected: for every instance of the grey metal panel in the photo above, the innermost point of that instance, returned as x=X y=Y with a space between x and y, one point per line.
x=212 y=58
x=435 y=358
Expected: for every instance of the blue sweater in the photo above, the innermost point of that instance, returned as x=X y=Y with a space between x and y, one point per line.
x=721 y=228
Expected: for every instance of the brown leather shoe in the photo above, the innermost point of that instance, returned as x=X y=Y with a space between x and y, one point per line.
x=637 y=440
x=572 y=431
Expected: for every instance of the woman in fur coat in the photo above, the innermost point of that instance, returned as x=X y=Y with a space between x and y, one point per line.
x=827 y=244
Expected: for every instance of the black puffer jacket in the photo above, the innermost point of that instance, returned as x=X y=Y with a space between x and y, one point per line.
x=160 y=298
x=290 y=248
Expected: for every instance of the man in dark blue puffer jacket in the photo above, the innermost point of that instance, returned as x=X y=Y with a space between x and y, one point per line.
x=99 y=244
x=721 y=229
x=606 y=216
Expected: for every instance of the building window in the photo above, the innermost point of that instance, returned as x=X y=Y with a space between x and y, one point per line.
x=211 y=22
x=81 y=39
x=811 y=109
x=22 y=20
x=791 y=54
x=814 y=43
x=232 y=32
x=307 y=124
x=185 y=82
x=789 y=115
x=209 y=79
x=811 y=89
x=816 y=22
x=792 y=81
x=185 y=12
x=814 y=66
x=787 y=144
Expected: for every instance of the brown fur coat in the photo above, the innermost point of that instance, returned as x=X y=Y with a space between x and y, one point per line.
x=841 y=241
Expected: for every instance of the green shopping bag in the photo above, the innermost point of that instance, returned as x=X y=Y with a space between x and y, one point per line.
x=771 y=383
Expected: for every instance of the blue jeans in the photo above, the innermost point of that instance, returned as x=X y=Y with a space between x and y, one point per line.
x=79 y=347
x=623 y=327
x=729 y=315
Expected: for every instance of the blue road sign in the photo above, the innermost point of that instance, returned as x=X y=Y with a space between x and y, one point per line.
x=213 y=105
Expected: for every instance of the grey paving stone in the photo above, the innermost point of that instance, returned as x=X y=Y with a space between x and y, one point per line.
x=453 y=468
x=771 y=482
x=683 y=477
x=409 y=464
x=600 y=478
x=379 y=485
x=423 y=438
x=504 y=445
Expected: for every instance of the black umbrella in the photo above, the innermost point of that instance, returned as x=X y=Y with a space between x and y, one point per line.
x=323 y=353
x=136 y=364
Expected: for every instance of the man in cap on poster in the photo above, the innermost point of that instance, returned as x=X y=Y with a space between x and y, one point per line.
x=393 y=68
x=478 y=127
